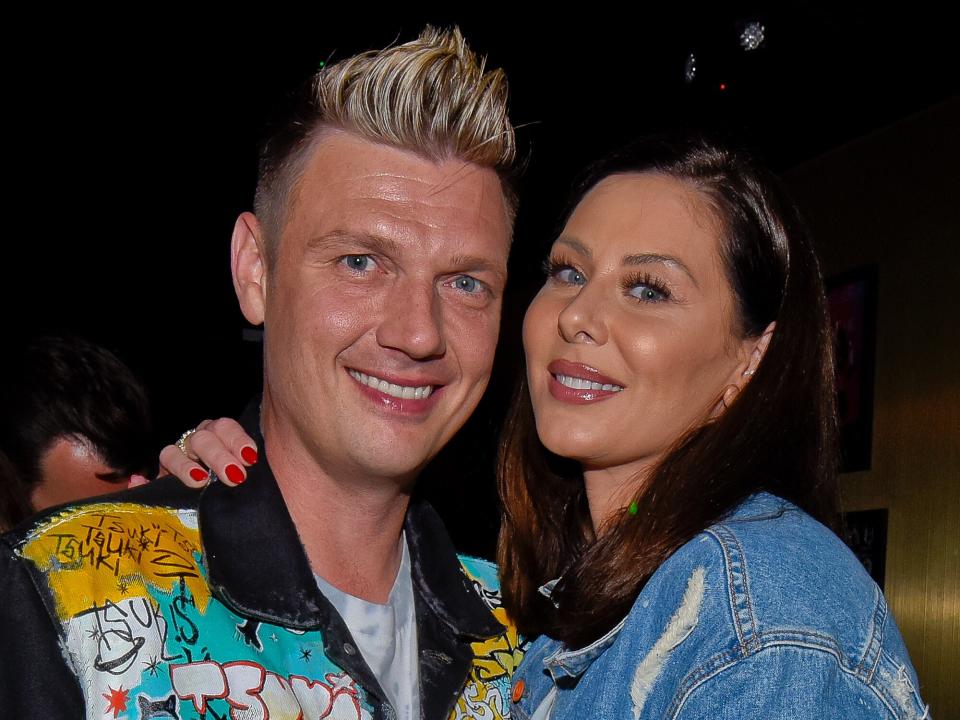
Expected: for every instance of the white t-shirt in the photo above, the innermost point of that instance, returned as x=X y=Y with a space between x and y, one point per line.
x=386 y=636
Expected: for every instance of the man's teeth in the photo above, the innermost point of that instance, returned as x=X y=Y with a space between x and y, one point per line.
x=404 y=392
x=581 y=384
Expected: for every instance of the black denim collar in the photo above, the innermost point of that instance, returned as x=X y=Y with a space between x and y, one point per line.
x=258 y=567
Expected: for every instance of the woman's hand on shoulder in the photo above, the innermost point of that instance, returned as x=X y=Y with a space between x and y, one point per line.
x=221 y=445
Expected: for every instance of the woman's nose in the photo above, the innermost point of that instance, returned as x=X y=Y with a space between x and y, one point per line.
x=582 y=320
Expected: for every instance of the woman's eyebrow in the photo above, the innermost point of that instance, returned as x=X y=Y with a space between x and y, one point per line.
x=657 y=258
x=632 y=259
x=576 y=245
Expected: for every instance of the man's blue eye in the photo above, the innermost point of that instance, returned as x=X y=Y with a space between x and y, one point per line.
x=467 y=284
x=359 y=263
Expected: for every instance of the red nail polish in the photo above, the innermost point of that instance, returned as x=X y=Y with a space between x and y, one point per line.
x=198 y=474
x=235 y=474
x=249 y=455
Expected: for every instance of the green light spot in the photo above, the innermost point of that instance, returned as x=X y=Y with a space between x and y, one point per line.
x=632 y=509
x=322 y=65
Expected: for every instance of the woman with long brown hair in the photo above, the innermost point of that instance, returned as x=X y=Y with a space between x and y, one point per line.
x=668 y=476
x=665 y=525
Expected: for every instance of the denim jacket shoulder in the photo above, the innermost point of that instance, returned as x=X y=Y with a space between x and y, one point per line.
x=766 y=614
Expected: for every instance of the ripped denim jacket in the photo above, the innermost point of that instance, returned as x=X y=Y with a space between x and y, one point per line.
x=765 y=615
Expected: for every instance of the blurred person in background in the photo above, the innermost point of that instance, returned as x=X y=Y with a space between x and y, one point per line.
x=76 y=423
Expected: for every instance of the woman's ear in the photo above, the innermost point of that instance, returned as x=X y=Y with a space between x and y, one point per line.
x=752 y=351
x=755 y=349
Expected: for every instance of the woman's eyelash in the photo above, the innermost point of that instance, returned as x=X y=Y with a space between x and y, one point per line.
x=553 y=265
x=646 y=280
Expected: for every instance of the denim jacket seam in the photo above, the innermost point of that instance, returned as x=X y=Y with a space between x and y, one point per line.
x=733 y=553
x=726 y=659
x=706 y=670
x=875 y=643
x=569 y=660
x=885 y=693
x=742 y=609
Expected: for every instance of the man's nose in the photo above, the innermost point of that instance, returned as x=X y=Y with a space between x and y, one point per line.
x=412 y=320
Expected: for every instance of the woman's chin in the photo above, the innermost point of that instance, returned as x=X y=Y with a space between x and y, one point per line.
x=569 y=443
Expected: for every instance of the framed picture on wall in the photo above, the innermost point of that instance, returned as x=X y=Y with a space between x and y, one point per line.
x=852 y=299
x=866 y=534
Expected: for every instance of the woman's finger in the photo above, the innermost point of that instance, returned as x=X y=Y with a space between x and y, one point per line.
x=234 y=437
x=216 y=455
x=178 y=464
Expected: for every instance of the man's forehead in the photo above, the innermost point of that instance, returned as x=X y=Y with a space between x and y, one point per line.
x=453 y=178
x=344 y=163
x=356 y=187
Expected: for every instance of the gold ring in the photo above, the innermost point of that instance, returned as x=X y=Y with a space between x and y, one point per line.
x=182 y=442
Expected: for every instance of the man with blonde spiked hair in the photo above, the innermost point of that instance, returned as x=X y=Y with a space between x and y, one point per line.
x=376 y=262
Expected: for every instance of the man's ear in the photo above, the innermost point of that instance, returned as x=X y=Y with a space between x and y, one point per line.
x=248 y=264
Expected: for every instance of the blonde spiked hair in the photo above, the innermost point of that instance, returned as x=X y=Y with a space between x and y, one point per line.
x=431 y=96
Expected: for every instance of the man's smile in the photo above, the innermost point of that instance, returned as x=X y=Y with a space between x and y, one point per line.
x=410 y=397
x=404 y=392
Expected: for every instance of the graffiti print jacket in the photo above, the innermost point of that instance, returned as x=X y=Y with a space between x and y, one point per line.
x=765 y=615
x=162 y=602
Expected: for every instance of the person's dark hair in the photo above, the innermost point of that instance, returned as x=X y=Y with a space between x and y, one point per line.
x=14 y=504
x=69 y=387
x=779 y=435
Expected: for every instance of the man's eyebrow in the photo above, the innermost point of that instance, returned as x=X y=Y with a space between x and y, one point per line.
x=361 y=241
x=657 y=258
x=477 y=263
x=391 y=248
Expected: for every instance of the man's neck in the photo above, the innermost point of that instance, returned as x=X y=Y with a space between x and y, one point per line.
x=350 y=528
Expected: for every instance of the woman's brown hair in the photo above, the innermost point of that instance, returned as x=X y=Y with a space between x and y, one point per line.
x=779 y=435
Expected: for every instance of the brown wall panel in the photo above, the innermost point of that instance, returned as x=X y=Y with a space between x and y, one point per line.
x=893 y=199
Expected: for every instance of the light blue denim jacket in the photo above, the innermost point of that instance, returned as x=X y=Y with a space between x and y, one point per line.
x=765 y=615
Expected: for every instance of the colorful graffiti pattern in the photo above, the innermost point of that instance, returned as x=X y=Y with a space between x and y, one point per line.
x=487 y=694
x=147 y=640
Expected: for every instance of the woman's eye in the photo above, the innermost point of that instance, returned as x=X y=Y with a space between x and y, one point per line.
x=648 y=293
x=357 y=263
x=570 y=276
x=558 y=269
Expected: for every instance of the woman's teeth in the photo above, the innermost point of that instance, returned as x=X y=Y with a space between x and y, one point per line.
x=576 y=383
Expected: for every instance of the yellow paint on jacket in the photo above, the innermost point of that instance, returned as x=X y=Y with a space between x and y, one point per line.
x=498 y=656
x=111 y=551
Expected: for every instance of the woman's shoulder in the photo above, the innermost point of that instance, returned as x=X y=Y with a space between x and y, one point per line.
x=789 y=569
x=771 y=565
x=769 y=588
x=754 y=617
